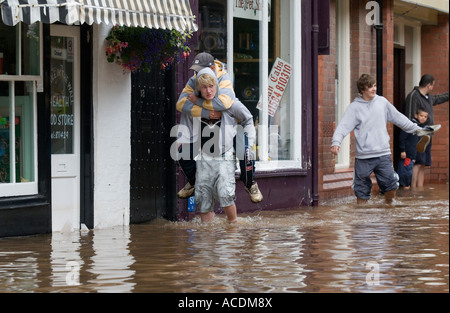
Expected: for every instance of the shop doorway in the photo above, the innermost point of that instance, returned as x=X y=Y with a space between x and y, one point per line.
x=153 y=172
x=65 y=126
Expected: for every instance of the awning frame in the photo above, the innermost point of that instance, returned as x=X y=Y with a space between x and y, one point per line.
x=123 y=16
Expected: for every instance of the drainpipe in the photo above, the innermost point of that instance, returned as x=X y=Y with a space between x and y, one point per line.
x=379 y=29
x=315 y=101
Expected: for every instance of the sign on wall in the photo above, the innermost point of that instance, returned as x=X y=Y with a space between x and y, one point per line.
x=250 y=9
x=278 y=80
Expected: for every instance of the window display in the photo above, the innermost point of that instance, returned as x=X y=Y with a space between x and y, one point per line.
x=16 y=133
x=20 y=58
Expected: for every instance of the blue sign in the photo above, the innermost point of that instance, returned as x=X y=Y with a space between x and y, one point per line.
x=191 y=204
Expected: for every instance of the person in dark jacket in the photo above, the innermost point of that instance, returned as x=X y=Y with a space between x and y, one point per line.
x=409 y=145
x=420 y=97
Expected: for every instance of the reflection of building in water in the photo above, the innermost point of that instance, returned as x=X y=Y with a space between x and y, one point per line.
x=256 y=260
x=110 y=264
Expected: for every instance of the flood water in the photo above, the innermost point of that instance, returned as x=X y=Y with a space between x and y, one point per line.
x=337 y=247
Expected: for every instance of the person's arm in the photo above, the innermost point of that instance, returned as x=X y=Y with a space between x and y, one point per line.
x=438 y=99
x=345 y=126
x=411 y=104
x=402 y=137
x=399 y=119
x=184 y=105
x=240 y=112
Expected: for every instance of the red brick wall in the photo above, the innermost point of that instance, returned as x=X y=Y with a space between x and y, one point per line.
x=327 y=74
x=388 y=57
x=435 y=61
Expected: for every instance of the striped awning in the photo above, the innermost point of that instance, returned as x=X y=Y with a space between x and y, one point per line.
x=165 y=14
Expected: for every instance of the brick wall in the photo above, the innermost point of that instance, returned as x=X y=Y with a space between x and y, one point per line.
x=435 y=61
x=326 y=86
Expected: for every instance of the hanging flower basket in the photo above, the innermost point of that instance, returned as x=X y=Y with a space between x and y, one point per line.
x=137 y=48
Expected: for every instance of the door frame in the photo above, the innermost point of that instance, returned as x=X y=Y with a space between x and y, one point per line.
x=87 y=127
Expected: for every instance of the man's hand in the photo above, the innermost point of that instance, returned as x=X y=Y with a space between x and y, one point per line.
x=335 y=150
x=214 y=115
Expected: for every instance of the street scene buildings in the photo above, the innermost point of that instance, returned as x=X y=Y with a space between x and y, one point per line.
x=86 y=143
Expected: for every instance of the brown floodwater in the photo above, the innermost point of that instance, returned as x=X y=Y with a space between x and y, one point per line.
x=336 y=247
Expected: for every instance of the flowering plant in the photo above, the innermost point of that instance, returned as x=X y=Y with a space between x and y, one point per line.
x=138 y=48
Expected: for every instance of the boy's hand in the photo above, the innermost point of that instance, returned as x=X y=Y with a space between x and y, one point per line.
x=214 y=115
x=335 y=150
x=193 y=98
x=403 y=155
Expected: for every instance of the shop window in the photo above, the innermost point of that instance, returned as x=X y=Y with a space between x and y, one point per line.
x=260 y=43
x=20 y=69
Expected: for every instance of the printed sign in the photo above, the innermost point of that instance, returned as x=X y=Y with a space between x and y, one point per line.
x=278 y=80
x=250 y=9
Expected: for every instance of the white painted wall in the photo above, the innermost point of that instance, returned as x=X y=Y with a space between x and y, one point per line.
x=112 y=126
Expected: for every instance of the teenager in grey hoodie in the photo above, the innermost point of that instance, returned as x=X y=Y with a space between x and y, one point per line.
x=367 y=116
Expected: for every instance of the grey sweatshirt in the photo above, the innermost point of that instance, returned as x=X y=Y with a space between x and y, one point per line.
x=368 y=121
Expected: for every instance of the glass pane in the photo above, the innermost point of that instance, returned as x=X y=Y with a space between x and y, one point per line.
x=279 y=82
x=30 y=49
x=247 y=71
x=213 y=37
x=5 y=134
x=62 y=97
x=24 y=131
x=8 y=50
x=248 y=62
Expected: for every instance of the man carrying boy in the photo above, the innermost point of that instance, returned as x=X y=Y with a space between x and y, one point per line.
x=216 y=165
x=367 y=116
x=410 y=146
x=421 y=97
x=191 y=106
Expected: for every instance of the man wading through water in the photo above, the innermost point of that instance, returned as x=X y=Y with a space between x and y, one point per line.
x=192 y=106
x=216 y=163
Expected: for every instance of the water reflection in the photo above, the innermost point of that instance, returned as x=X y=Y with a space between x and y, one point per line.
x=337 y=247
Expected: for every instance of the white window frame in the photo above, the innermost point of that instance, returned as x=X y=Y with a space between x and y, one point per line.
x=414 y=49
x=343 y=90
x=265 y=164
x=15 y=189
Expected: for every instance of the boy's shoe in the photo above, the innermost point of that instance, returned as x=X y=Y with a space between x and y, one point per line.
x=428 y=130
x=423 y=144
x=186 y=192
x=254 y=192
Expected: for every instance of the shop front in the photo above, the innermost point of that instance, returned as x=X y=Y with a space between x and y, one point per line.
x=65 y=112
